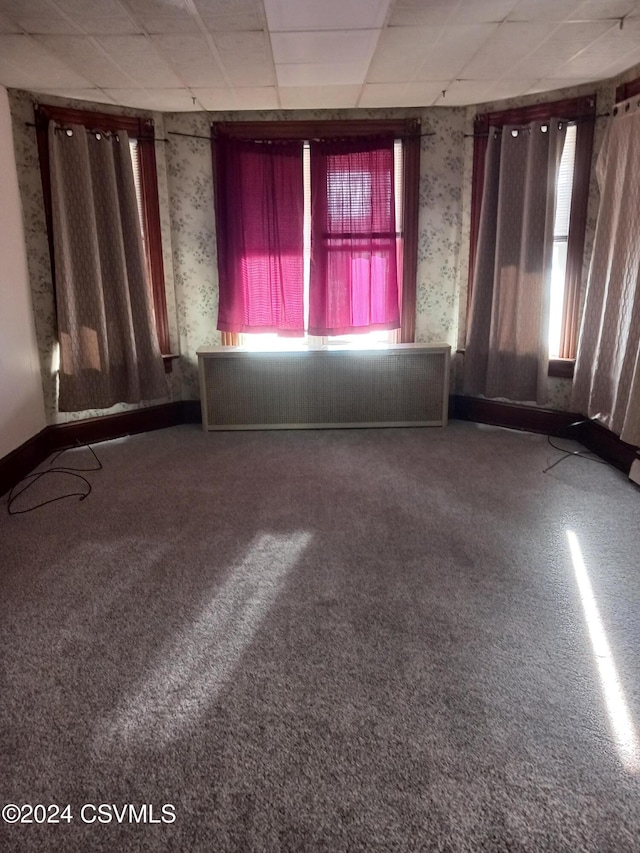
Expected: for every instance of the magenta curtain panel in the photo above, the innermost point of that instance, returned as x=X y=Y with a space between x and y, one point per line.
x=353 y=283
x=259 y=211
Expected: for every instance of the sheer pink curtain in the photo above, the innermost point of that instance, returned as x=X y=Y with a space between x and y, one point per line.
x=259 y=212
x=354 y=273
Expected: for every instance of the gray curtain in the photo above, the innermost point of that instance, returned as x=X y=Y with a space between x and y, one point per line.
x=606 y=383
x=108 y=346
x=507 y=348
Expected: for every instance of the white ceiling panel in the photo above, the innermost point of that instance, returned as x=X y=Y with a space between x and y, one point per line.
x=25 y=53
x=7 y=26
x=249 y=98
x=191 y=59
x=162 y=100
x=401 y=94
x=226 y=15
x=509 y=44
x=87 y=58
x=94 y=95
x=246 y=58
x=285 y=15
x=318 y=97
x=316 y=74
x=461 y=92
x=139 y=58
x=262 y=54
x=325 y=47
x=97 y=17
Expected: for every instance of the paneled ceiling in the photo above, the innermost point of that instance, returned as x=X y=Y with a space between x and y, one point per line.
x=270 y=54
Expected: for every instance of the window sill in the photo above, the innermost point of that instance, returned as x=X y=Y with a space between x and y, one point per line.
x=168 y=361
x=561 y=368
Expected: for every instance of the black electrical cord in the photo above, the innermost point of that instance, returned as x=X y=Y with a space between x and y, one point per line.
x=28 y=481
x=581 y=454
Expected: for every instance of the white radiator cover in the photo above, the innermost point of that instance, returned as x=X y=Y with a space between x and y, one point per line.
x=324 y=387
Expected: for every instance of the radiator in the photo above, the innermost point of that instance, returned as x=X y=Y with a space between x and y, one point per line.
x=395 y=385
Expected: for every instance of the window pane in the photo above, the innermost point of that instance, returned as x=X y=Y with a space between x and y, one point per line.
x=560 y=234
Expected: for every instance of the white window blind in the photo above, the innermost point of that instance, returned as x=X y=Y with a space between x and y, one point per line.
x=137 y=178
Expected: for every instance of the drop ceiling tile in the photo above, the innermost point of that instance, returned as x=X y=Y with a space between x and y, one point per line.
x=545 y=10
x=319 y=97
x=567 y=42
x=84 y=57
x=191 y=58
x=26 y=54
x=139 y=58
x=417 y=13
x=246 y=58
x=52 y=23
x=169 y=100
x=400 y=53
x=286 y=15
x=7 y=26
x=97 y=96
x=31 y=8
x=98 y=17
x=571 y=10
x=598 y=9
x=229 y=15
x=13 y=77
x=324 y=47
x=461 y=92
x=321 y=74
x=510 y=43
x=411 y=13
x=249 y=98
x=401 y=94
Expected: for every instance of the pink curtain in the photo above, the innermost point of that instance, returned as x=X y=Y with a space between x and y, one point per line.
x=354 y=272
x=259 y=212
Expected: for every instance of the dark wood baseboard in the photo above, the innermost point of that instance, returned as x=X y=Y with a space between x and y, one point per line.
x=29 y=455
x=511 y=415
x=549 y=422
x=17 y=464
x=607 y=445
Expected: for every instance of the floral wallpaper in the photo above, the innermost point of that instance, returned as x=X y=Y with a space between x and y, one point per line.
x=185 y=189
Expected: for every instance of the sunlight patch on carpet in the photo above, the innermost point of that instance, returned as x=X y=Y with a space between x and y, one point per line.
x=193 y=667
x=619 y=716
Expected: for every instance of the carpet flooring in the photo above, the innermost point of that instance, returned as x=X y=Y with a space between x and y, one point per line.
x=356 y=640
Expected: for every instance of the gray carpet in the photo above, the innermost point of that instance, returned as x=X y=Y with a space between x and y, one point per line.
x=358 y=640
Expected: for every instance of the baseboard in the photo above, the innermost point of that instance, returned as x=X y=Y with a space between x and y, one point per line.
x=15 y=465
x=511 y=415
x=29 y=455
x=593 y=435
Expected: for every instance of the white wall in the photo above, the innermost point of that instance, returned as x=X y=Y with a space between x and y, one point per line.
x=21 y=398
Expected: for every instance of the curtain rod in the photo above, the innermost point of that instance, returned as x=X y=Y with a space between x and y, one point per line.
x=105 y=132
x=576 y=120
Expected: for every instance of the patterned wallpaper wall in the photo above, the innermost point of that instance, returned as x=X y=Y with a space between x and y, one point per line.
x=188 y=227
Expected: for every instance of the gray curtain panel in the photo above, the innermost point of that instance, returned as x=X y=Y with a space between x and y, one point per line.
x=507 y=348
x=108 y=346
x=606 y=383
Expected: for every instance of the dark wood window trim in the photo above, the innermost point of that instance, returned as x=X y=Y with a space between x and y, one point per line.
x=628 y=90
x=141 y=129
x=583 y=111
x=406 y=129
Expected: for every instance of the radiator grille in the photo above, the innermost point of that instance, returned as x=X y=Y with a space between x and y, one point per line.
x=323 y=388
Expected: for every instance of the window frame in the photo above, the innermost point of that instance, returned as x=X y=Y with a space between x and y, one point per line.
x=408 y=130
x=583 y=111
x=141 y=129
